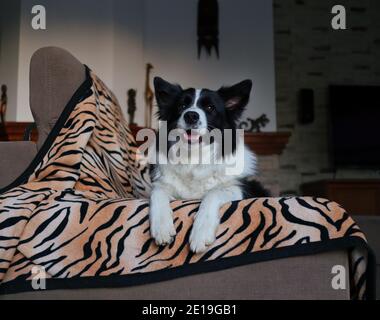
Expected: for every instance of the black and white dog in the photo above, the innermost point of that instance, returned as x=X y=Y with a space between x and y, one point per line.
x=194 y=113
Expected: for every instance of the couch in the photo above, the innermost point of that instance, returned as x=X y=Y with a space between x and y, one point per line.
x=54 y=75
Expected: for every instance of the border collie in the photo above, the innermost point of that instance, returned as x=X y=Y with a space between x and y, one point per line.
x=194 y=113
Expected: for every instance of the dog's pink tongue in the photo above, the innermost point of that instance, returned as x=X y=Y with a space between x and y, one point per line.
x=191 y=136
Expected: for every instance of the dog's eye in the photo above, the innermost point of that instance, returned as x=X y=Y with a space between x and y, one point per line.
x=210 y=108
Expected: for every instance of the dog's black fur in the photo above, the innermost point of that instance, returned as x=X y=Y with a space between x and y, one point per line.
x=223 y=109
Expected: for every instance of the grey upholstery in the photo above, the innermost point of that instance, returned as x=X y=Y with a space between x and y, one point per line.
x=54 y=76
x=307 y=277
x=14 y=158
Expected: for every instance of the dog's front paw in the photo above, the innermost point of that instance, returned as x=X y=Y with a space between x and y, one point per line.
x=204 y=232
x=162 y=228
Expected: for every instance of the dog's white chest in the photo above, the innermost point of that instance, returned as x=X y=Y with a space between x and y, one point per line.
x=193 y=181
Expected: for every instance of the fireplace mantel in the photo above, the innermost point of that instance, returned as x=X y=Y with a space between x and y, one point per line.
x=262 y=143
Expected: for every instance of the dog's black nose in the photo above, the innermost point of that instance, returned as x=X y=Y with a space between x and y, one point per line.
x=191 y=117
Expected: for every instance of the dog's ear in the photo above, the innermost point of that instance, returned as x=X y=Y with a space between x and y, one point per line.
x=166 y=93
x=236 y=97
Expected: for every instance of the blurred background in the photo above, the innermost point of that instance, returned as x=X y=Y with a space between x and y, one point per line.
x=315 y=87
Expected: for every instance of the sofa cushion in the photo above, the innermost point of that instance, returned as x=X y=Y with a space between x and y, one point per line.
x=54 y=77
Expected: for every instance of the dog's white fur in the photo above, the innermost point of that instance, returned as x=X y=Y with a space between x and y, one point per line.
x=194 y=180
x=208 y=182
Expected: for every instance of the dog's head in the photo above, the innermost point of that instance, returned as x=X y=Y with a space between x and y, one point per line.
x=198 y=111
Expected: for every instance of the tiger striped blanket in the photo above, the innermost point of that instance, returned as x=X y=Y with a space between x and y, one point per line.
x=79 y=212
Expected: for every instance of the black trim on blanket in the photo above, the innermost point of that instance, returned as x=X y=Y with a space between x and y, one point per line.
x=117 y=281
x=81 y=93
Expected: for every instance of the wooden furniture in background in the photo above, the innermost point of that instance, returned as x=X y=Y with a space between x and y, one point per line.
x=361 y=197
x=263 y=143
x=267 y=143
x=15 y=131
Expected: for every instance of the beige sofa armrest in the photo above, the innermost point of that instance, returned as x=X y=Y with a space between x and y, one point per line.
x=14 y=159
x=303 y=277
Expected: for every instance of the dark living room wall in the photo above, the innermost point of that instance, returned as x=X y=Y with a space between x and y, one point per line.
x=310 y=54
x=9 y=47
